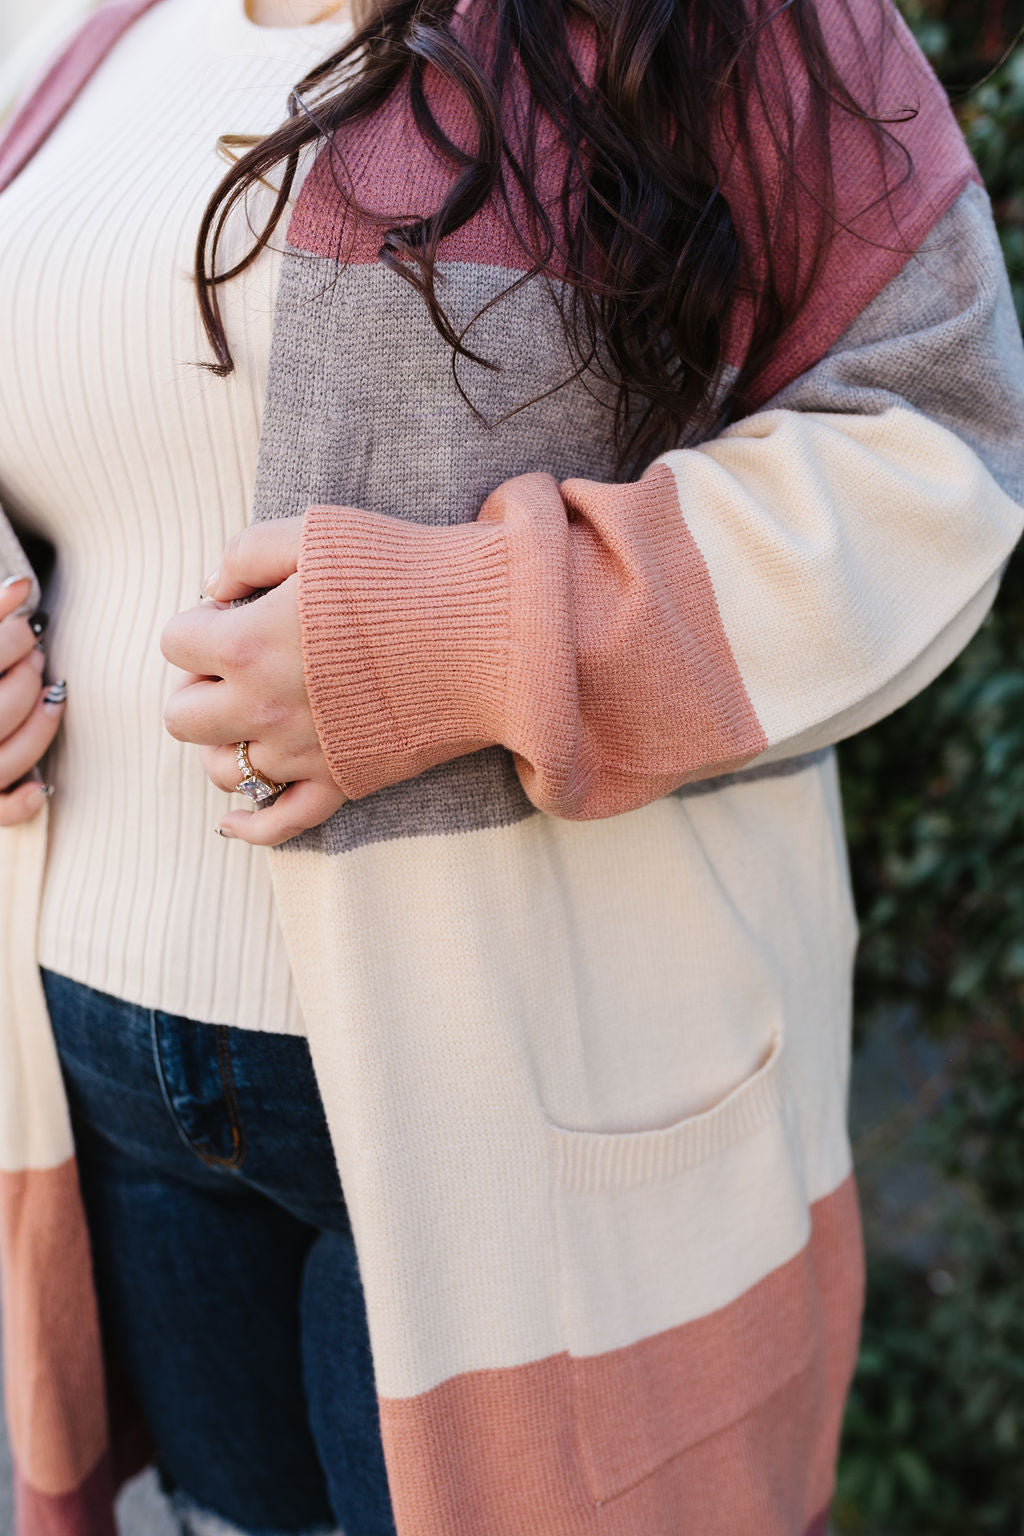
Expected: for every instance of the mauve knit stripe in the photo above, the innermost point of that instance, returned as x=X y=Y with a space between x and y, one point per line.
x=363 y=580
x=600 y=715
x=733 y=1361
x=765 y=1382
x=87 y=1510
x=853 y=282
x=947 y=316
x=52 y=1355
x=872 y=240
x=392 y=188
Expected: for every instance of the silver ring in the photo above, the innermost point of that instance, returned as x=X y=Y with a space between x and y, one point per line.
x=256 y=785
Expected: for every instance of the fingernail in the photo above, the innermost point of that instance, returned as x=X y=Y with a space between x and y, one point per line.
x=210 y=584
x=38 y=622
x=12 y=581
x=56 y=693
x=222 y=832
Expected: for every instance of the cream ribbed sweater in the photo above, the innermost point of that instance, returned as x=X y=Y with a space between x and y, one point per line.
x=138 y=467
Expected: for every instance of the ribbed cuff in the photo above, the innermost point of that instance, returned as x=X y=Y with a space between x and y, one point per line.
x=405 y=638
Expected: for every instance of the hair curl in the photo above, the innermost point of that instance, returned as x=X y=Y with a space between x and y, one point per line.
x=644 y=242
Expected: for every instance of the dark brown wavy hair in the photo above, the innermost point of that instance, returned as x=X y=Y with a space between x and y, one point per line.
x=644 y=242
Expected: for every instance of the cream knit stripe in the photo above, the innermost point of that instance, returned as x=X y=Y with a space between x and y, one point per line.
x=35 y=1131
x=586 y=1163
x=481 y=983
x=840 y=547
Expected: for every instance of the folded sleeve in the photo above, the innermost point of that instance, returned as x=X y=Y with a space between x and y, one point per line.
x=765 y=593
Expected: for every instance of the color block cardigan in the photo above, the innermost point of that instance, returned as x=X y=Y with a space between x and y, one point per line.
x=575 y=958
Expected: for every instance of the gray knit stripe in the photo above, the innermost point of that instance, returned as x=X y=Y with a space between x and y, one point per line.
x=947 y=316
x=379 y=422
x=479 y=791
x=466 y=795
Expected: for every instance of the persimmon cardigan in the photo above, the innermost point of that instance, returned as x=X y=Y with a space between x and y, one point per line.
x=575 y=959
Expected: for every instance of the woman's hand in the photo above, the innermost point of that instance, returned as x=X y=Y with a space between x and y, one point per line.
x=245 y=683
x=28 y=723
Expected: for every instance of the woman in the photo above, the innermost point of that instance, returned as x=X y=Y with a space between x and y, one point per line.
x=642 y=415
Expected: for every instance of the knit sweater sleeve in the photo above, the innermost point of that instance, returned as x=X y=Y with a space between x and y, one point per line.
x=768 y=592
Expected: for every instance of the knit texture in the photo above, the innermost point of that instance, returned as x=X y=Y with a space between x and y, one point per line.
x=575 y=957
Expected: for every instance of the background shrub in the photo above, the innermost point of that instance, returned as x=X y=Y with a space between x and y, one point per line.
x=934 y=1442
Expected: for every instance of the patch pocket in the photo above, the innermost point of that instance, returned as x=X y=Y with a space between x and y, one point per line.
x=687 y=1293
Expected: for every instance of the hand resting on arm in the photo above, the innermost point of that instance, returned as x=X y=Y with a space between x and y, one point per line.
x=28 y=720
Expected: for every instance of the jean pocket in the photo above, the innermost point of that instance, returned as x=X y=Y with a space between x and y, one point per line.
x=681 y=1310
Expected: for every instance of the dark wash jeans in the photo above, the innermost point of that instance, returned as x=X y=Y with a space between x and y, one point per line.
x=225 y=1265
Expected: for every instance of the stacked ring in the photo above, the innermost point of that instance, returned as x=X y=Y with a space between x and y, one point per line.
x=253 y=783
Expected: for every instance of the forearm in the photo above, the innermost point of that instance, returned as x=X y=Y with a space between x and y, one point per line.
x=772 y=590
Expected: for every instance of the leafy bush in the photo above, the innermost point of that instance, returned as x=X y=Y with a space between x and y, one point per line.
x=934 y=1442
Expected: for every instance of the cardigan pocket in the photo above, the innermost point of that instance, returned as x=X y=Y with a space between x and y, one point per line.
x=687 y=1295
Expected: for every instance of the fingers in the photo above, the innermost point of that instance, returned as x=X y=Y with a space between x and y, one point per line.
x=303 y=805
x=194 y=640
x=262 y=555
x=214 y=640
x=207 y=713
x=202 y=711
x=13 y=594
x=27 y=724
x=21 y=804
x=26 y=745
x=19 y=690
x=16 y=640
x=221 y=765
x=16 y=637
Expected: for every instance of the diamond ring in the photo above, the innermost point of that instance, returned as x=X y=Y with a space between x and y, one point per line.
x=253 y=783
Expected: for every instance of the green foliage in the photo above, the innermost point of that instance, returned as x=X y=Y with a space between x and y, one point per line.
x=935 y=1425
x=935 y=812
x=968 y=43
x=934 y=1442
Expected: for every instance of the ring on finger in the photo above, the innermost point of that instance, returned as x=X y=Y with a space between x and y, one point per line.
x=257 y=786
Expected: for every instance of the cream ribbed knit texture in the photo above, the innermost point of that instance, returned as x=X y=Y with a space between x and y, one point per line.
x=138 y=466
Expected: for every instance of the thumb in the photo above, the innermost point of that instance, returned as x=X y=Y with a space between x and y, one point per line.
x=13 y=593
x=304 y=804
x=262 y=555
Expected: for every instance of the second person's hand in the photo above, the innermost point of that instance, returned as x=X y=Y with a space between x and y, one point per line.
x=30 y=712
